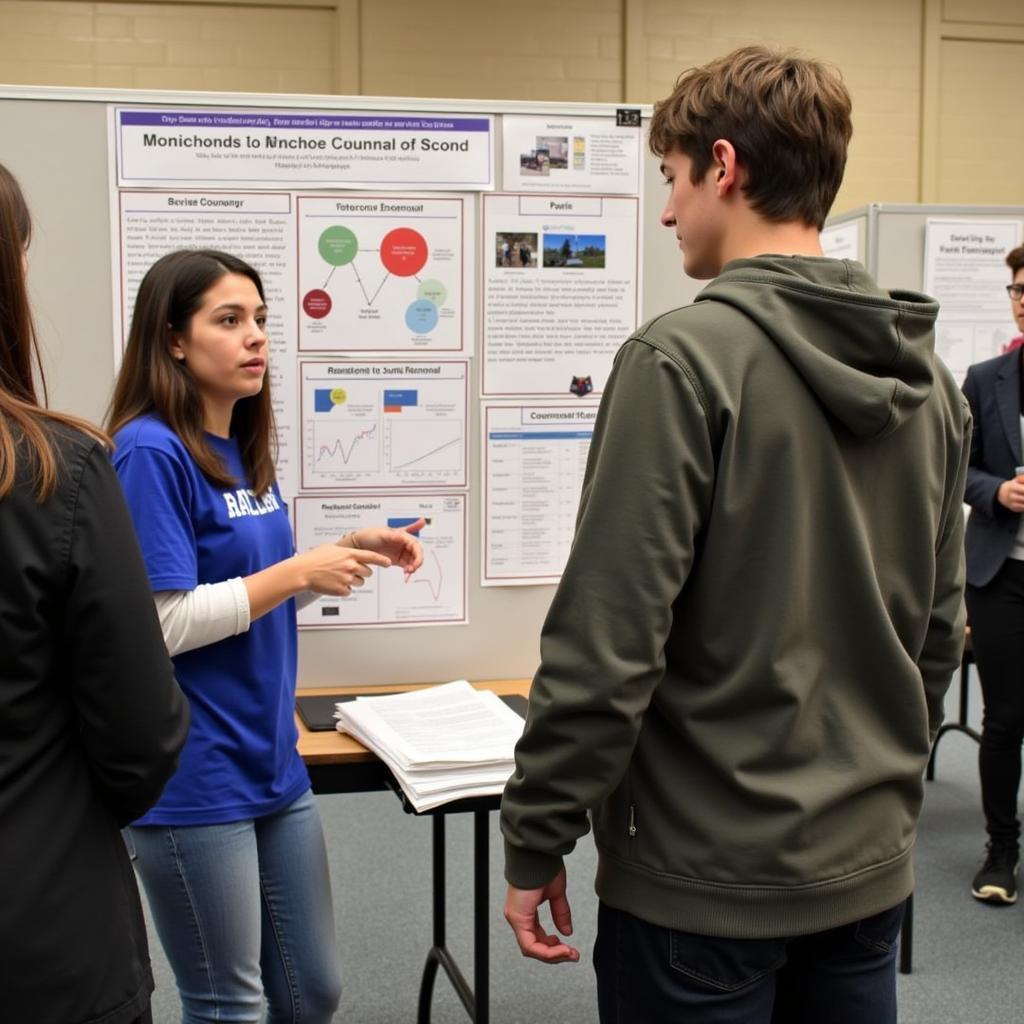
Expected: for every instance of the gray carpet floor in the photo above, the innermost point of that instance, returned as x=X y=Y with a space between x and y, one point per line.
x=967 y=956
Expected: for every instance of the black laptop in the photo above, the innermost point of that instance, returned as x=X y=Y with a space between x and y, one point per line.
x=317 y=712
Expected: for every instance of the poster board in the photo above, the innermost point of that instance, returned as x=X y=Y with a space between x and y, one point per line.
x=57 y=146
x=901 y=249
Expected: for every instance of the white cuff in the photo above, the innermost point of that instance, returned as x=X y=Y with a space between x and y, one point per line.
x=195 y=618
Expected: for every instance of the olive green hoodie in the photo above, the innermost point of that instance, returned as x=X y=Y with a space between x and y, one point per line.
x=745 y=661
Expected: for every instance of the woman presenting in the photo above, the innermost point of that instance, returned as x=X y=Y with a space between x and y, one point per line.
x=232 y=857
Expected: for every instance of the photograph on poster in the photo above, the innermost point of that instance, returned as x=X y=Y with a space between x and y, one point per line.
x=574 y=250
x=553 y=153
x=570 y=154
x=556 y=331
x=558 y=150
x=515 y=249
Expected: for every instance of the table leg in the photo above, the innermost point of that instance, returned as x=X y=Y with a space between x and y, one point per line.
x=476 y=1005
x=907 y=937
x=960 y=725
x=481 y=924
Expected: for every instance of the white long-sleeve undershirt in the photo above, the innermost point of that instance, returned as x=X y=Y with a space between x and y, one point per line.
x=211 y=612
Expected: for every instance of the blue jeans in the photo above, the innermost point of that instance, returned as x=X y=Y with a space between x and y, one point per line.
x=652 y=975
x=244 y=910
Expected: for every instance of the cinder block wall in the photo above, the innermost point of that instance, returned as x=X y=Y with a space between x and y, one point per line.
x=935 y=82
x=216 y=47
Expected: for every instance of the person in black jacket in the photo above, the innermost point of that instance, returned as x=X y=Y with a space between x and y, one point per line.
x=995 y=594
x=91 y=718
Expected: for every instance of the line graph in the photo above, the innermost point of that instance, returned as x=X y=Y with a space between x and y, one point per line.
x=344 y=447
x=424 y=445
x=432 y=575
x=387 y=424
x=435 y=593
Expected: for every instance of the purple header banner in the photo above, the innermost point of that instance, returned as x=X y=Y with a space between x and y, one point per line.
x=322 y=122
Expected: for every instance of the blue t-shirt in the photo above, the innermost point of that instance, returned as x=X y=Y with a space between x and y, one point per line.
x=240 y=759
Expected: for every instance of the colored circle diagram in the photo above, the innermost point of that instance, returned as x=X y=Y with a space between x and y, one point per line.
x=317 y=303
x=338 y=246
x=403 y=253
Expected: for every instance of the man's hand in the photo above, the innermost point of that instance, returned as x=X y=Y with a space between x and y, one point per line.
x=521 y=912
x=1011 y=494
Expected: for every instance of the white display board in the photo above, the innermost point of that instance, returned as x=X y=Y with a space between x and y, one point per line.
x=369 y=262
x=955 y=254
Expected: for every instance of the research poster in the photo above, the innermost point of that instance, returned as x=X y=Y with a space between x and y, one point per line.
x=381 y=273
x=534 y=458
x=965 y=269
x=434 y=595
x=258 y=227
x=295 y=149
x=561 y=291
x=842 y=241
x=389 y=262
x=383 y=424
x=566 y=154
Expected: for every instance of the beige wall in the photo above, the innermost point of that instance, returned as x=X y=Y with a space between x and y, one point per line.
x=981 y=144
x=876 y=44
x=524 y=49
x=216 y=47
x=973 y=148
x=933 y=81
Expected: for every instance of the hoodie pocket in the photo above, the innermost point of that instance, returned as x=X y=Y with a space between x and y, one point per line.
x=631 y=817
x=617 y=821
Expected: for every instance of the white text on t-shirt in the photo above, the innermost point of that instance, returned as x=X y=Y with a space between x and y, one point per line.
x=245 y=503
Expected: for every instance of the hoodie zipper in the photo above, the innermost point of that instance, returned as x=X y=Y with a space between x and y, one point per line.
x=632 y=821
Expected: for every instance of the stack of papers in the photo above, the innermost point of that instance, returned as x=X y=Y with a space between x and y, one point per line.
x=442 y=743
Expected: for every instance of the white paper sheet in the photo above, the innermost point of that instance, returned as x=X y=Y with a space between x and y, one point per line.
x=965 y=269
x=300 y=149
x=257 y=227
x=442 y=743
x=433 y=596
x=534 y=458
x=570 y=154
x=842 y=241
x=382 y=273
x=383 y=424
x=445 y=726
x=561 y=291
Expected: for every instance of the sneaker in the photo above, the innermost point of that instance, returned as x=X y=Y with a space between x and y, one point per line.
x=996 y=882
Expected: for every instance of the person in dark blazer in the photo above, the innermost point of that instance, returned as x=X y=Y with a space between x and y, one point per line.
x=91 y=718
x=995 y=593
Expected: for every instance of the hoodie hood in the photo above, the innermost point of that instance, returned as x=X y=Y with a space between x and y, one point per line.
x=867 y=354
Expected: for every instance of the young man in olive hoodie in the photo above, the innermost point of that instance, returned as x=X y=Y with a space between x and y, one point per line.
x=745 y=662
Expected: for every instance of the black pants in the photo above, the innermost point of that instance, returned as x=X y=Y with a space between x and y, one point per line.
x=996 y=615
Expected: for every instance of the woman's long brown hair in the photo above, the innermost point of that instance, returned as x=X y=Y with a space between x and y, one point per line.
x=152 y=381
x=24 y=433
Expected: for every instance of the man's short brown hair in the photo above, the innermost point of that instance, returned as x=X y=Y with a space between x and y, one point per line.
x=1015 y=259
x=787 y=117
